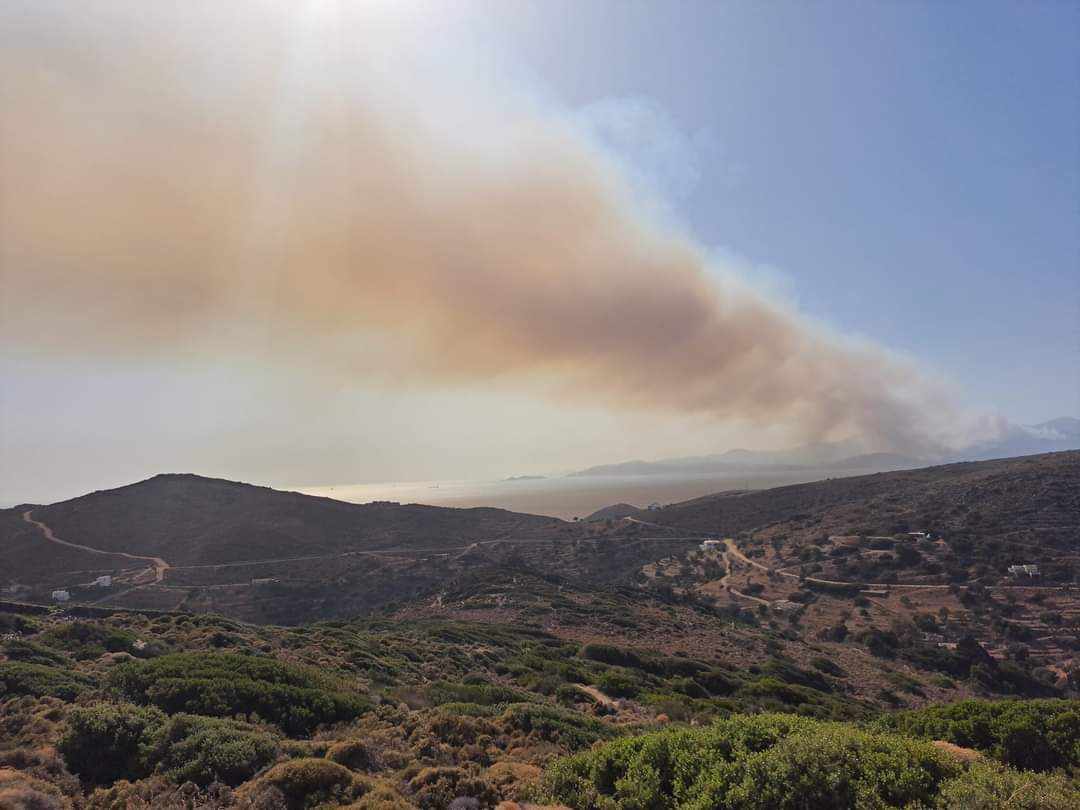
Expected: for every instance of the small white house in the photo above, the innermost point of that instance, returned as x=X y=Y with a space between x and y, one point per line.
x=102 y=582
x=1029 y=570
x=61 y=596
x=711 y=545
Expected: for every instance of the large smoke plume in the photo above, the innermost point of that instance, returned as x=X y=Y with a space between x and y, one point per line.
x=306 y=188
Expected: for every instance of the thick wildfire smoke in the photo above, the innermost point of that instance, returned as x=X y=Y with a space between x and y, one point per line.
x=302 y=188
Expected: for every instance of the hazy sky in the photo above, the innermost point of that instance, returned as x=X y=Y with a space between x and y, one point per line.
x=304 y=244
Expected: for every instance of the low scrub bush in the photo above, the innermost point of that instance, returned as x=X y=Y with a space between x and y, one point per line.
x=39 y=680
x=555 y=725
x=609 y=654
x=294 y=698
x=482 y=694
x=30 y=652
x=86 y=640
x=986 y=786
x=204 y=750
x=437 y=788
x=105 y=741
x=1037 y=735
x=108 y=741
x=308 y=783
x=763 y=761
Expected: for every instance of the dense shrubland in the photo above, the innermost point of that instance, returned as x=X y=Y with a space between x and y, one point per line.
x=422 y=714
x=224 y=685
x=773 y=762
x=1038 y=735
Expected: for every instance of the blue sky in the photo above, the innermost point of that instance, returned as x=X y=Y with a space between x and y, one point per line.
x=913 y=169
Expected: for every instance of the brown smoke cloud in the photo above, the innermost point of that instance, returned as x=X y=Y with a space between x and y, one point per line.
x=308 y=192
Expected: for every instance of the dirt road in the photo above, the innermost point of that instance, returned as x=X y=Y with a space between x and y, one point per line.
x=728 y=570
x=158 y=565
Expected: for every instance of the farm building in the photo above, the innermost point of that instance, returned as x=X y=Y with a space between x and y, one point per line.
x=1029 y=570
x=711 y=545
x=61 y=596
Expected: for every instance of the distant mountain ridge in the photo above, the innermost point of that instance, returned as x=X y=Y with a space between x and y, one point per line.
x=1052 y=436
x=733 y=462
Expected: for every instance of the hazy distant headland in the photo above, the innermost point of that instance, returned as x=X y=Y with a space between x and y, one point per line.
x=564 y=497
x=582 y=492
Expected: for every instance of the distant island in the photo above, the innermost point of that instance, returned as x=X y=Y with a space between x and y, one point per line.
x=526 y=478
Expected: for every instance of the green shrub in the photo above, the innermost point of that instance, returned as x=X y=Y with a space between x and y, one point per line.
x=32 y=653
x=763 y=761
x=837 y=766
x=793 y=674
x=481 y=694
x=204 y=750
x=38 y=680
x=87 y=640
x=564 y=727
x=986 y=786
x=828 y=666
x=617 y=682
x=294 y=698
x=608 y=654
x=1037 y=735
x=106 y=741
x=354 y=755
x=309 y=782
x=774 y=689
x=469 y=709
x=718 y=682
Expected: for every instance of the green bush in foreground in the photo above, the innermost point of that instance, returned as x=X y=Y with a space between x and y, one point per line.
x=310 y=782
x=773 y=762
x=987 y=786
x=106 y=741
x=204 y=750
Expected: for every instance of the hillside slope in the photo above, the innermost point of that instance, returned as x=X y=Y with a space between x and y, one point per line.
x=1014 y=494
x=189 y=520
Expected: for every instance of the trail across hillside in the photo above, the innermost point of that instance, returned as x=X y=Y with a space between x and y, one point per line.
x=734 y=551
x=158 y=565
x=728 y=570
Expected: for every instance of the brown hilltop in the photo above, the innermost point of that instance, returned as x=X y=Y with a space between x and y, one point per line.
x=189 y=519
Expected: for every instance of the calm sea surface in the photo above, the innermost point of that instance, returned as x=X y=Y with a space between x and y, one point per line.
x=564 y=497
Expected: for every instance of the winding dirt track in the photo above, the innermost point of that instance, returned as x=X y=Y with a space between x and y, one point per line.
x=158 y=565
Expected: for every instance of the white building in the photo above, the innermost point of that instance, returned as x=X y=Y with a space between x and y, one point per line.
x=61 y=596
x=1030 y=570
x=102 y=582
x=711 y=545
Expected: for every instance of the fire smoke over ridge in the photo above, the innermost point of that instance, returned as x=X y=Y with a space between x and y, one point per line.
x=308 y=190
